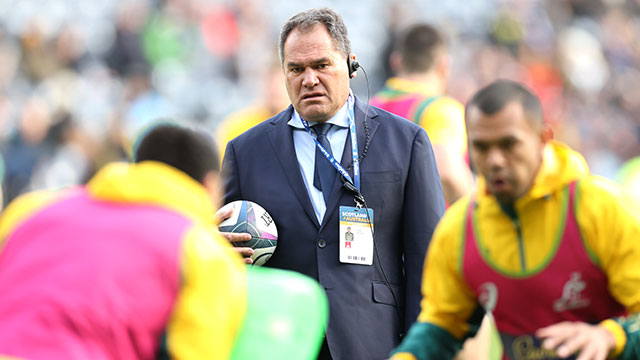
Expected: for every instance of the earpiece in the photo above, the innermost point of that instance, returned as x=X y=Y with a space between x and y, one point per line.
x=353 y=66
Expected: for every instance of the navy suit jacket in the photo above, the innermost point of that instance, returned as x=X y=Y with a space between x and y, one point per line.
x=399 y=180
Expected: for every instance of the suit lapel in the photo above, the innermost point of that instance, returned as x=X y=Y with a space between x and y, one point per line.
x=281 y=137
x=347 y=158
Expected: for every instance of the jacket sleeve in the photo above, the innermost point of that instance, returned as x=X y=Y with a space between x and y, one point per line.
x=448 y=305
x=211 y=305
x=423 y=208
x=629 y=327
x=610 y=224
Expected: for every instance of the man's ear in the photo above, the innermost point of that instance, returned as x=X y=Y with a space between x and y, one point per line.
x=546 y=134
x=443 y=64
x=395 y=61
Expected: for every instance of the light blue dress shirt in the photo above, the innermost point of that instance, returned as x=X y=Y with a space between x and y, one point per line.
x=305 y=149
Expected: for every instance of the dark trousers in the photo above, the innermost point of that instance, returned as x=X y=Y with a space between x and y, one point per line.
x=324 y=351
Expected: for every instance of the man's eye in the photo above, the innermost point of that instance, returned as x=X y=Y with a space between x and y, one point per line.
x=507 y=145
x=322 y=66
x=480 y=147
x=296 y=70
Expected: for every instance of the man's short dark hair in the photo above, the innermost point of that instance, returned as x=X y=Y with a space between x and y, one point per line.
x=306 y=20
x=189 y=150
x=420 y=46
x=495 y=96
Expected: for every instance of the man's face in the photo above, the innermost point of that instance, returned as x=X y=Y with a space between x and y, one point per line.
x=316 y=74
x=506 y=149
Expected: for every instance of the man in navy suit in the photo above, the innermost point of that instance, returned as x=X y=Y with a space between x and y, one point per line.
x=286 y=165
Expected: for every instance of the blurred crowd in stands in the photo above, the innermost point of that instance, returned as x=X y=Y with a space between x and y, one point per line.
x=79 y=79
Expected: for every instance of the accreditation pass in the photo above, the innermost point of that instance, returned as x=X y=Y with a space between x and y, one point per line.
x=356 y=235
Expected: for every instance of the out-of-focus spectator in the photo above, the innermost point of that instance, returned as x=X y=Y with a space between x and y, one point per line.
x=126 y=52
x=38 y=60
x=26 y=147
x=67 y=163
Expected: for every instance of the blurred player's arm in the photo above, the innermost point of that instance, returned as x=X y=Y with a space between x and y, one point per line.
x=455 y=174
x=444 y=122
x=449 y=308
x=611 y=230
x=211 y=304
x=612 y=234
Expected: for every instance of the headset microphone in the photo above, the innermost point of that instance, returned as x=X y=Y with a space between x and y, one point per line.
x=353 y=66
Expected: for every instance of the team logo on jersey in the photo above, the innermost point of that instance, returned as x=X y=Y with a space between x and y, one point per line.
x=572 y=297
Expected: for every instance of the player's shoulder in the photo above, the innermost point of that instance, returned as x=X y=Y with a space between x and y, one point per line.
x=597 y=193
x=393 y=121
x=446 y=100
x=445 y=106
x=595 y=187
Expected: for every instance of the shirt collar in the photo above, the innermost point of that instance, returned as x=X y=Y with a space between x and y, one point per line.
x=340 y=119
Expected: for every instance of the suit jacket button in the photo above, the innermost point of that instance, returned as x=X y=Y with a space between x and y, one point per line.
x=322 y=243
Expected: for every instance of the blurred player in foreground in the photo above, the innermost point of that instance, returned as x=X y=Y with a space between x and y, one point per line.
x=127 y=267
